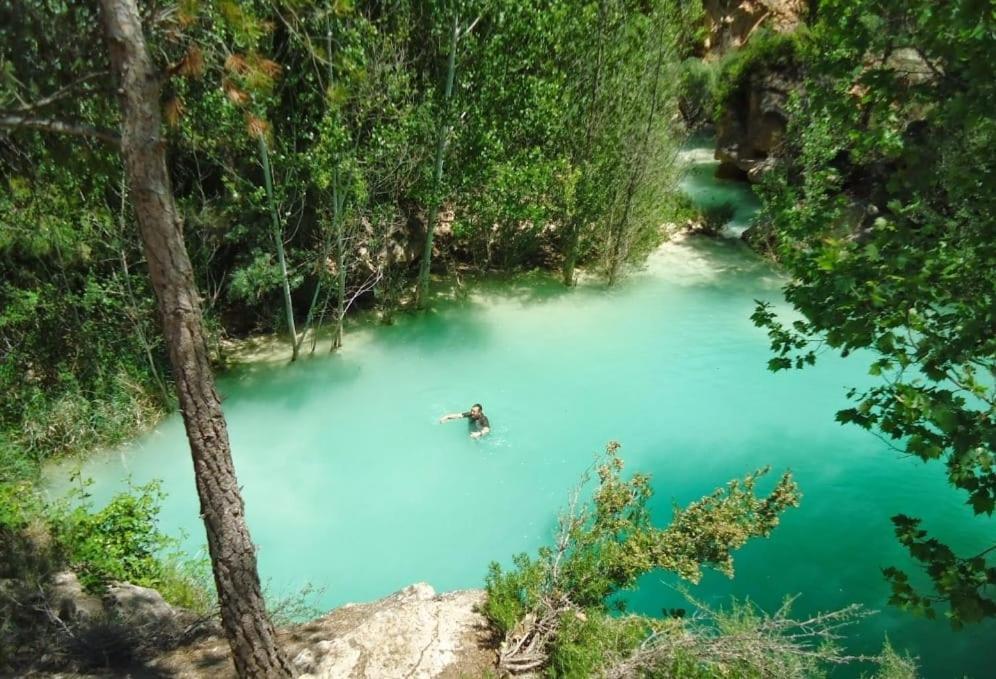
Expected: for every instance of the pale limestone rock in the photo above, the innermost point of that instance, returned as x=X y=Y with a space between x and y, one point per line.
x=139 y=606
x=412 y=633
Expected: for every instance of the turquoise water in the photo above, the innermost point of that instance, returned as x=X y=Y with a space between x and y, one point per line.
x=351 y=483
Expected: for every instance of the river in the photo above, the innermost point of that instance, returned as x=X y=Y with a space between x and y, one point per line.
x=352 y=485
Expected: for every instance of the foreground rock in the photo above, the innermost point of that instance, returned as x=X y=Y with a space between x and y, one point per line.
x=413 y=633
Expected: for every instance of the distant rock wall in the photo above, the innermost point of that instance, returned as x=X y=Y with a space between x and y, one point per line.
x=730 y=23
x=751 y=130
x=752 y=126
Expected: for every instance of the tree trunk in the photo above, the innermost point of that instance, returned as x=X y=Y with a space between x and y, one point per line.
x=278 y=238
x=422 y=294
x=233 y=556
x=339 y=228
x=618 y=233
x=581 y=154
x=570 y=252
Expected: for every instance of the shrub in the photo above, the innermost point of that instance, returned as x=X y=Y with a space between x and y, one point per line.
x=696 y=86
x=765 y=51
x=122 y=542
x=119 y=542
x=558 y=611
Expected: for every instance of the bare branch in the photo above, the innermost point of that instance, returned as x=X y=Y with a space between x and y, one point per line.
x=14 y=121
x=60 y=93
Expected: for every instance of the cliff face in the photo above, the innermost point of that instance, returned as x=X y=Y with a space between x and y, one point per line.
x=412 y=633
x=753 y=125
x=755 y=118
x=730 y=23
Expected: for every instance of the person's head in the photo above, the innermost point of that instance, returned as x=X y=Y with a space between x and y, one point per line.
x=476 y=410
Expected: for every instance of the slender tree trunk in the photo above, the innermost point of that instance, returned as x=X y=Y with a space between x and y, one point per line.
x=570 y=251
x=278 y=238
x=233 y=556
x=338 y=200
x=582 y=154
x=422 y=294
x=619 y=233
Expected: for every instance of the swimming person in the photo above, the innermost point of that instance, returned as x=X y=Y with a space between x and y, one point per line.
x=479 y=425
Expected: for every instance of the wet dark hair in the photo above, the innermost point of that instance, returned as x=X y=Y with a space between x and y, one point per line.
x=477 y=405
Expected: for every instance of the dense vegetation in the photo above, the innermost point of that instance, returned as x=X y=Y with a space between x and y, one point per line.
x=881 y=210
x=345 y=104
x=332 y=155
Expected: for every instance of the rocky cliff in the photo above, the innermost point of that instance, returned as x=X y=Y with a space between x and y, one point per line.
x=730 y=23
x=754 y=116
x=414 y=633
x=753 y=125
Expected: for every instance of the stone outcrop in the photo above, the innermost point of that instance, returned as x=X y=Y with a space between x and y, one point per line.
x=139 y=606
x=414 y=633
x=730 y=23
x=752 y=128
x=69 y=602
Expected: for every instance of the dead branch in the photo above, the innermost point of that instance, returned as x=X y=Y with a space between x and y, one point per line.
x=14 y=121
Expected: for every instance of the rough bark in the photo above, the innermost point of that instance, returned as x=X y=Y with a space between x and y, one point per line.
x=233 y=556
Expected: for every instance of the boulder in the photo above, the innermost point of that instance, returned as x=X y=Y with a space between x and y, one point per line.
x=412 y=633
x=67 y=598
x=141 y=608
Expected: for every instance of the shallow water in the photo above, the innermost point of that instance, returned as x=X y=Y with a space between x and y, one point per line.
x=351 y=484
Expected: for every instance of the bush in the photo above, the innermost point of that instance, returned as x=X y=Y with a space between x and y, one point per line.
x=558 y=612
x=187 y=582
x=765 y=51
x=715 y=217
x=122 y=542
x=587 y=642
x=696 y=86
x=117 y=543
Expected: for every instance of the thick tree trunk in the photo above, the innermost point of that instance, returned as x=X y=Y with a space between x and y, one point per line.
x=233 y=556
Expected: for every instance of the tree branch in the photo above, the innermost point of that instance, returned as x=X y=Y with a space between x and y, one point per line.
x=61 y=92
x=13 y=121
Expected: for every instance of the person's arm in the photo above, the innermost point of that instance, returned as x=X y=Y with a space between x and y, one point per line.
x=452 y=416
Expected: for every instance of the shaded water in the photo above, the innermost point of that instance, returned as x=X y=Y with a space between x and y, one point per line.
x=351 y=484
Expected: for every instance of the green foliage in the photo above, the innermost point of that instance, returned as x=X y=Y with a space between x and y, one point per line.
x=119 y=542
x=893 y=665
x=713 y=218
x=604 y=549
x=877 y=212
x=696 y=89
x=556 y=611
x=766 y=51
x=513 y=593
x=587 y=640
x=187 y=582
